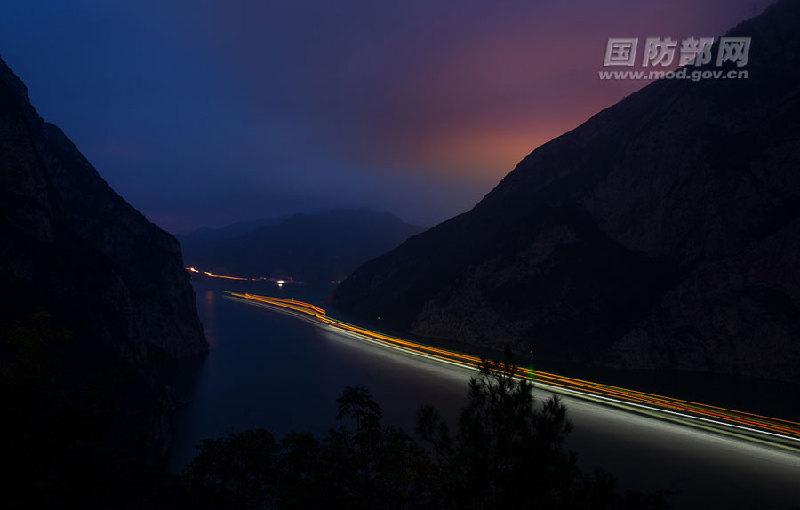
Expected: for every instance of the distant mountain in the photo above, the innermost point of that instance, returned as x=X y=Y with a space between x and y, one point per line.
x=662 y=233
x=210 y=234
x=320 y=246
x=96 y=300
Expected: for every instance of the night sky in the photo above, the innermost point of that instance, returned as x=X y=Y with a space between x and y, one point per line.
x=206 y=112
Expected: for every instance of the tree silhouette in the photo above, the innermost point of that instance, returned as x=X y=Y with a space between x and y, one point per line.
x=507 y=451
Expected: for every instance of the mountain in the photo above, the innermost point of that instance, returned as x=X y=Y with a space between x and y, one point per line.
x=662 y=233
x=240 y=228
x=97 y=303
x=321 y=246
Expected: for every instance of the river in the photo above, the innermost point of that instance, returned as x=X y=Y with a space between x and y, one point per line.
x=267 y=369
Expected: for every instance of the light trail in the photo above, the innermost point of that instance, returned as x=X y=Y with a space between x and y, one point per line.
x=209 y=274
x=776 y=431
x=225 y=277
x=194 y=270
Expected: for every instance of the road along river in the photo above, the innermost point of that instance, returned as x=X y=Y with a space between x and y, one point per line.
x=262 y=361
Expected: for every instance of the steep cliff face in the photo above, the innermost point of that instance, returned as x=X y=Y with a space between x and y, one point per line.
x=75 y=246
x=663 y=232
x=95 y=301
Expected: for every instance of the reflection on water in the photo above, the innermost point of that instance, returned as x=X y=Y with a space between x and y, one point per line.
x=209 y=317
x=273 y=371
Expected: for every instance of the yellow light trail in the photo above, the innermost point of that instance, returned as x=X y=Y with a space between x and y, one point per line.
x=753 y=425
x=194 y=270
x=225 y=277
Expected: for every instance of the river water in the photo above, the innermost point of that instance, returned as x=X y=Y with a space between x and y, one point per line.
x=267 y=369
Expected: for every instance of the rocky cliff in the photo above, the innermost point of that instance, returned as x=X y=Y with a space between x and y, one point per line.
x=73 y=243
x=96 y=300
x=662 y=233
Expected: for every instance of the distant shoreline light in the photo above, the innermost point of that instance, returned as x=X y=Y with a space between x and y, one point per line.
x=278 y=282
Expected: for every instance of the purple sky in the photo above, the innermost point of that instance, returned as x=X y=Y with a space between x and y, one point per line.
x=206 y=112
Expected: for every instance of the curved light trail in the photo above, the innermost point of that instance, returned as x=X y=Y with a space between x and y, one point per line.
x=776 y=431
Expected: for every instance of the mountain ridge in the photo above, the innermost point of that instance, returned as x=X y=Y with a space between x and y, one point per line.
x=318 y=246
x=589 y=248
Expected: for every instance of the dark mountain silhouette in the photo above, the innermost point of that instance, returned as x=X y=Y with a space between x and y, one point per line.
x=662 y=233
x=207 y=234
x=320 y=246
x=96 y=301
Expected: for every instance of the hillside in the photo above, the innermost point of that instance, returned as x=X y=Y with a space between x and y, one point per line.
x=96 y=304
x=662 y=233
